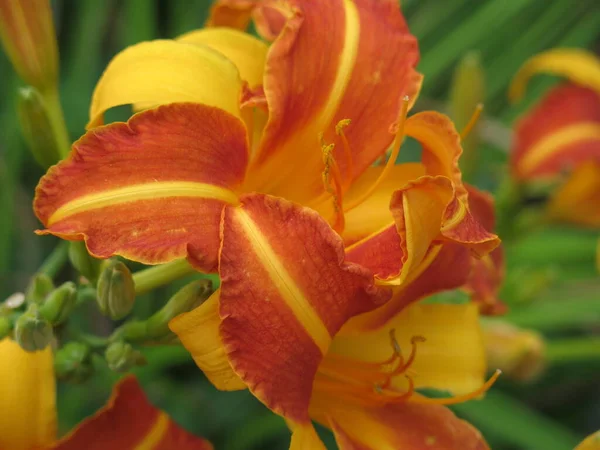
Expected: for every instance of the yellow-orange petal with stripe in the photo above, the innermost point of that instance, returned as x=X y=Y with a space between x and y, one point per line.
x=163 y=71
x=152 y=189
x=130 y=422
x=579 y=66
x=244 y=50
x=448 y=267
x=404 y=425
x=369 y=68
x=27 y=397
x=231 y=13
x=578 y=200
x=285 y=291
x=559 y=133
x=198 y=331
x=304 y=437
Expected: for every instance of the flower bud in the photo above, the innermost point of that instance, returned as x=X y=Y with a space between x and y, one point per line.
x=32 y=331
x=86 y=264
x=37 y=127
x=116 y=290
x=186 y=299
x=39 y=287
x=5 y=327
x=28 y=36
x=59 y=303
x=73 y=362
x=517 y=352
x=121 y=357
x=466 y=98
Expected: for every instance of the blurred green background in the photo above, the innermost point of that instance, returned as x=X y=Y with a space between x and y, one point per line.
x=552 y=286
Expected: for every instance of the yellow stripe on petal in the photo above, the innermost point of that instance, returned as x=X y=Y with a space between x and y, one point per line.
x=142 y=192
x=290 y=292
x=162 y=71
x=556 y=142
x=579 y=66
x=27 y=398
x=156 y=433
x=248 y=53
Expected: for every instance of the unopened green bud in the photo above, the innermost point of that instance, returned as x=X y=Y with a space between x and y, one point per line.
x=39 y=287
x=121 y=357
x=32 y=331
x=59 y=303
x=116 y=290
x=5 y=327
x=186 y=299
x=37 y=127
x=84 y=263
x=466 y=100
x=73 y=362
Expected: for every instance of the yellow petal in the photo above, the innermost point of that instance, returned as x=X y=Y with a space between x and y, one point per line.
x=592 y=442
x=579 y=66
x=578 y=200
x=374 y=213
x=27 y=397
x=157 y=72
x=452 y=358
x=198 y=331
x=245 y=51
x=304 y=437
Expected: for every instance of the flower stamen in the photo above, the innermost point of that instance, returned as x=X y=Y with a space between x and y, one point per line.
x=332 y=181
x=339 y=130
x=472 y=122
x=461 y=398
x=391 y=160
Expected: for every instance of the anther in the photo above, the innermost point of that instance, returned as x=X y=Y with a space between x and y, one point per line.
x=391 y=160
x=472 y=122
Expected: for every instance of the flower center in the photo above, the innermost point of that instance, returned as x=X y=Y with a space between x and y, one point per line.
x=378 y=383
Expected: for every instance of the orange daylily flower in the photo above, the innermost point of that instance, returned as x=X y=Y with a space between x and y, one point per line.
x=561 y=135
x=28 y=412
x=364 y=387
x=258 y=164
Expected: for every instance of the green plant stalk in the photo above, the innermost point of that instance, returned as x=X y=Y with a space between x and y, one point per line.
x=567 y=351
x=554 y=315
x=148 y=279
x=56 y=259
x=504 y=419
x=57 y=121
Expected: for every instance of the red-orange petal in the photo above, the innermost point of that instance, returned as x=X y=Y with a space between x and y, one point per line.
x=404 y=425
x=487 y=272
x=450 y=267
x=427 y=212
x=152 y=189
x=129 y=422
x=361 y=69
x=231 y=13
x=558 y=134
x=285 y=292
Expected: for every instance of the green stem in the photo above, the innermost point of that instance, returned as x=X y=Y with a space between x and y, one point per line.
x=554 y=315
x=57 y=120
x=505 y=420
x=149 y=279
x=566 y=351
x=56 y=260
